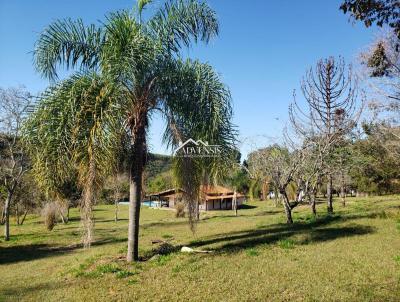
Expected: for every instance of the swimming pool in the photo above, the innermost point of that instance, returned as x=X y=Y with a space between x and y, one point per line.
x=150 y=203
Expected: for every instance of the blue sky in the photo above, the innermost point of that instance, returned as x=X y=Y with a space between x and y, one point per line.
x=262 y=52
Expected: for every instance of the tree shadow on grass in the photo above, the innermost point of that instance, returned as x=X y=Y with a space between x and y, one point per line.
x=20 y=292
x=316 y=231
x=29 y=252
x=164 y=223
x=268 y=212
x=70 y=219
x=112 y=220
x=262 y=213
x=246 y=207
x=163 y=249
x=216 y=217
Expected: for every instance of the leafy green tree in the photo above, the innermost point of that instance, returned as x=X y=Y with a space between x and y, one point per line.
x=239 y=178
x=129 y=68
x=158 y=173
x=375 y=169
x=377 y=12
x=161 y=182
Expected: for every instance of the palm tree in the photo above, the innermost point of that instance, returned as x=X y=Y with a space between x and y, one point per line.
x=128 y=69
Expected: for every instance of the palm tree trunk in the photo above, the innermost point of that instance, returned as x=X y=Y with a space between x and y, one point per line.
x=88 y=200
x=87 y=215
x=138 y=152
x=329 y=190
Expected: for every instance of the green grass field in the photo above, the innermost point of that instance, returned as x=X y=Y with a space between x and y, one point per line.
x=351 y=256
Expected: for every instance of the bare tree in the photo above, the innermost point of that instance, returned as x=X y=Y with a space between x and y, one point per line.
x=27 y=198
x=381 y=62
x=281 y=166
x=117 y=184
x=344 y=158
x=14 y=103
x=331 y=112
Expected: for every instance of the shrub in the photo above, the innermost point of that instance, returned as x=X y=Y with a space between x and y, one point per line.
x=180 y=210
x=124 y=274
x=49 y=214
x=252 y=252
x=163 y=260
x=108 y=268
x=286 y=244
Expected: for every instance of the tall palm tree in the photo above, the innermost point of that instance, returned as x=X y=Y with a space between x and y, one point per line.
x=128 y=68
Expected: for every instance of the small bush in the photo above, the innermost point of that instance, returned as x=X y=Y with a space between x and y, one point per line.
x=124 y=274
x=252 y=252
x=180 y=210
x=163 y=259
x=80 y=271
x=286 y=244
x=49 y=214
x=108 y=268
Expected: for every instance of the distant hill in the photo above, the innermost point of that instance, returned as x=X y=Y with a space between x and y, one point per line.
x=157 y=163
x=158 y=173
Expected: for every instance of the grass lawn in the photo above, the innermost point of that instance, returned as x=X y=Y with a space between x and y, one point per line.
x=351 y=256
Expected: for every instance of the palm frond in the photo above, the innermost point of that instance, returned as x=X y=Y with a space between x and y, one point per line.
x=197 y=102
x=67 y=43
x=128 y=53
x=197 y=105
x=179 y=21
x=75 y=130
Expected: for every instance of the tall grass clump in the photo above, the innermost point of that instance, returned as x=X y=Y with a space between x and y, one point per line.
x=180 y=210
x=49 y=214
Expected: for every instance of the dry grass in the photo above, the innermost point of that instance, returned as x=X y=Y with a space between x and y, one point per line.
x=351 y=256
x=180 y=210
x=49 y=214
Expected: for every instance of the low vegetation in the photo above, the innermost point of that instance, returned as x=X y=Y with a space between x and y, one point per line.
x=351 y=255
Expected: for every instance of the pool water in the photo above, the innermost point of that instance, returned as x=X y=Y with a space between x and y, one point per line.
x=149 y=203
